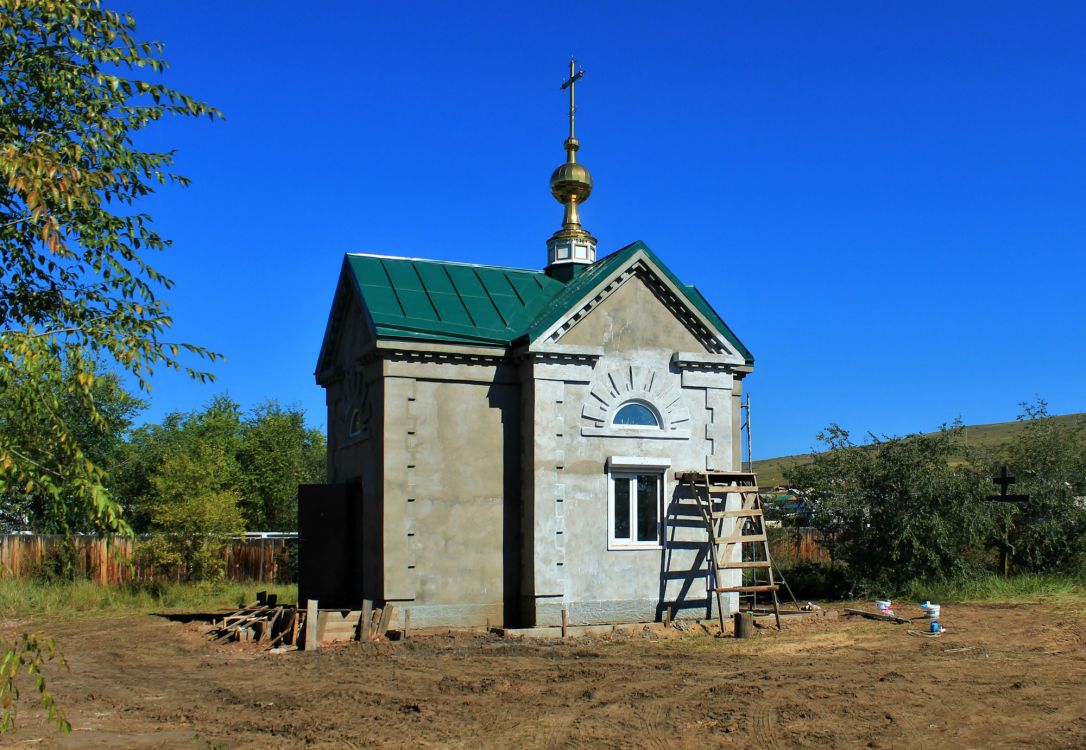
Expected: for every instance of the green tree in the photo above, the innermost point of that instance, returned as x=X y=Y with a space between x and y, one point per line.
x=100 y=435
x=898 y=509
x=267 y=453
x=196 y=510
x=74 y=255
x=1048 y=458
x=278 y=453
x=216 y=427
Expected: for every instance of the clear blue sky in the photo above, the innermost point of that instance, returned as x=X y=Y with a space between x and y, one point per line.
x=886 y=201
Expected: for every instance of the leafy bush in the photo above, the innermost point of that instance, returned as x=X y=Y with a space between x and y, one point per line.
x=814 y=581
x=898 y=509
x=1049 y=460
x=265 y=455
x=195 y=514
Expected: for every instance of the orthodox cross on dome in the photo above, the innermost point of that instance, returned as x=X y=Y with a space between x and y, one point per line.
x=571 y=184
x=574 y=76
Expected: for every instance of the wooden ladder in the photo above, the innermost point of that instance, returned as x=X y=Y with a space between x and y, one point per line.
x=726 y=531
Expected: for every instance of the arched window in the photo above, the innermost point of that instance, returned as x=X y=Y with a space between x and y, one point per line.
x=635 y=414
x=355 y=426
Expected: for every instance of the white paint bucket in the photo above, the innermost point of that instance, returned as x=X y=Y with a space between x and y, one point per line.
x=883 y=606
x=931 y=610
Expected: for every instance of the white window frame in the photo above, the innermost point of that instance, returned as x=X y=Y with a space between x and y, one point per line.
x=628 y=467
x=659 y=426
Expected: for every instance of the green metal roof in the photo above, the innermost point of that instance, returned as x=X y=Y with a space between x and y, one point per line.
x=410 y=298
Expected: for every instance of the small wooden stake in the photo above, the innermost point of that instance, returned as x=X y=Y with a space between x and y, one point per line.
x=294 y=628
x=311 y=642
x=386 y=619
x=667 y=617
x=406 y=623
x=565 y=629
x=364 y=620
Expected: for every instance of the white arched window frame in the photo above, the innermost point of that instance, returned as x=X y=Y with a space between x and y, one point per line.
x=638 y=389
x=637 y=414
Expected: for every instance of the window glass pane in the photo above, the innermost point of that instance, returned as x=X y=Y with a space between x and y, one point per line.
x=648 y=507
x=636 y=414
x=622 y=508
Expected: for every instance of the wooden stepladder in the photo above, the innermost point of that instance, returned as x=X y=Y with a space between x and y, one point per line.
x=733 y=532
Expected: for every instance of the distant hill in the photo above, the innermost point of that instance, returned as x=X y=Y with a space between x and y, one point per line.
x=771 y=470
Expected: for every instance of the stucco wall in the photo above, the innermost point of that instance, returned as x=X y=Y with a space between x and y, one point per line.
x=628 y=345
x=451 y=491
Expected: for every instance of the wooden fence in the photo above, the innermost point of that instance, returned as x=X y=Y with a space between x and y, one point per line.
x=792 y=544
x=111 y=560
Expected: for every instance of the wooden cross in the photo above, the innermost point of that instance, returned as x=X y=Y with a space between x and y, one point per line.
x=574 y=76
x=1003 y=481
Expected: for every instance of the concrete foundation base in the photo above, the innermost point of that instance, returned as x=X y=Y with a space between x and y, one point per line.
x=548 y=612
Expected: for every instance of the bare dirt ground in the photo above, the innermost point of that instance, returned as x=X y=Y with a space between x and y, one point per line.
x=1001 y=676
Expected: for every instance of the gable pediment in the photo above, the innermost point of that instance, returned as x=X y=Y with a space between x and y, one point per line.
x=638 y=307
x=349 y=334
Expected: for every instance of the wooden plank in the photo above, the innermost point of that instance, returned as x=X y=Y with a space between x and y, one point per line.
x=386 y=619
x=243 y=623
x=684 y=476
x=735 y=565
x=337 y=631
x=311 y=624
x=745 y=513
x=364 y=620
x=741 y=539
x=741 y=589
x=876 y=616
x=243 y=613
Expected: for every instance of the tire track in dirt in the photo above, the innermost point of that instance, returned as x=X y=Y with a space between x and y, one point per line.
x=655 y=728
x=586 y=732
x=550 y=731
x=763 y=726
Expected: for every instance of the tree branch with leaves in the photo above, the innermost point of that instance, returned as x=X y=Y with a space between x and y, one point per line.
x=77 y=284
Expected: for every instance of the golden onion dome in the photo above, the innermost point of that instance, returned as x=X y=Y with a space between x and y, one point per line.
x=571 y=181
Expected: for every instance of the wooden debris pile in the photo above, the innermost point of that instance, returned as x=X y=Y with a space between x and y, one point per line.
x=331 y=625
x=287 y=627
x=263 y=621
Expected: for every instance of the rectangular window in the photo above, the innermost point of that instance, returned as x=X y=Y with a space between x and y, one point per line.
x=636 y=505
x=622 y=508
x=648 y=508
